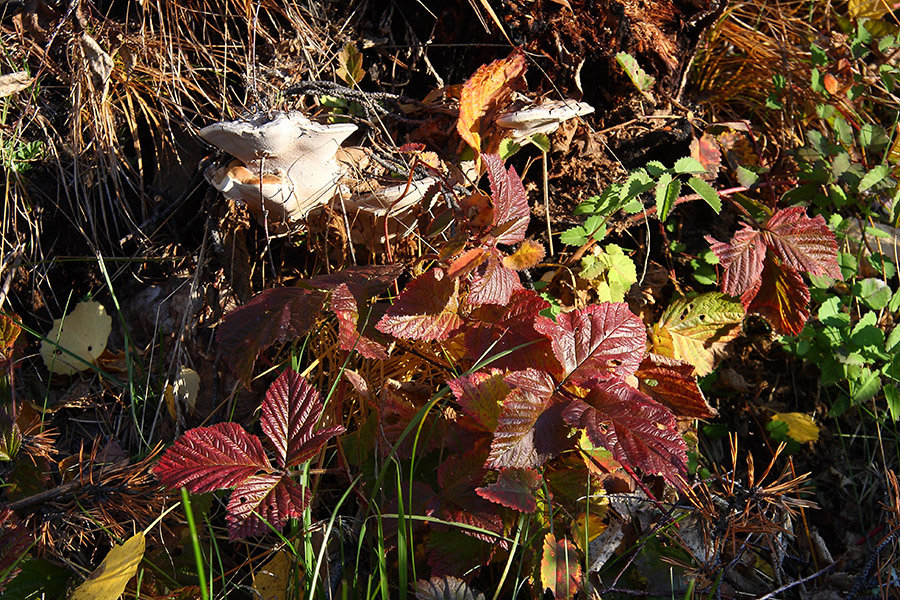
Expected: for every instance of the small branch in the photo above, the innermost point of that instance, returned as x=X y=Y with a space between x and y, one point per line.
x=788 y=586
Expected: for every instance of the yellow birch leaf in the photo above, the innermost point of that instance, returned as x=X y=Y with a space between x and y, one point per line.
x=108 y=581
x=271 y=580
x=83 y=332
x=801 y=428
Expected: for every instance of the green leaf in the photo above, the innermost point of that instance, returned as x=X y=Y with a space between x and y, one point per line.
x=508 y=148
x=894 y=306
x=689 y=164
x=576 y=236
x=892 y=395
x=875 y=176
x=873 y=137
x=541 y=141
x=865 y=385
x=818 y=56
x=874 y=292
x=706 y=191
x=638 y=76
x=655 y=168
x=667 y=190
x=610 y=271
x=893 y=339
x=746 y=177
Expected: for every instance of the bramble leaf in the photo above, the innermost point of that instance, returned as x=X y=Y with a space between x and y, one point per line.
x=560 y=568
x=706 y=151
x=493 y=283
x=638 y=431
x=344 y=305
x=205 y=459
x=480 y=395
x=696 y=329
x=271 y=498
x=801 y=243
x=514 y=489
x=526 y=256
x=290 y=411
x=781 y=296
x=445 y=588
x=425 y=309
x=673 y=384
x=277 y=315
x=513 y=443
x=599 y=341
x=742 y=260
x=458 y=476
x=638 y=76
x=511 y=213
x=488 y=90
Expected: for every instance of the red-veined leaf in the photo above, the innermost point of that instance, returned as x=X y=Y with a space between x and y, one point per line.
x=493 y=283
x=560 y=568
x=600 y=341
x=488 y=90
x=290 y=411
x=673 y=384
x=638 y=431
x=278 y=315
x=514 y=489
x=741 y=259
x=495 y=329
x=205 y=459
x=782 y=297
x=425 y=310
x=344 y=305
x=458 y=477
x=271 y=498
x=511 y=211
x=480 y=396
x=365 y=282
x=399 y=405
x=468 y=261
x=801 y=243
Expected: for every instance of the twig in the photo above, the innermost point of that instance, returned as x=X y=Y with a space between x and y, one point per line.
x=788 y=586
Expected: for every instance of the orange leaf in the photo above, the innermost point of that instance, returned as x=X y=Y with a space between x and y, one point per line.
x=526 y=256
x=781 y=297
x=486 y=91
x=465 y=263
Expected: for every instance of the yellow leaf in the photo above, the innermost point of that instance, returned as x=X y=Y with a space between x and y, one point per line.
x=108 y=581
x=487 y=90
x=271 y=580
x=801 y=428
x=83 y=332
x=867 y=9
x=350 y=69
x=526 y=256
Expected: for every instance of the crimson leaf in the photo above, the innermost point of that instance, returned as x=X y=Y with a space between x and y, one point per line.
x=425 y=310
x=205 y=459
x=344 y=305
x=600 y=341
x=279 y=315
x=560 y=568
x=781 y=296
x=479 y=395
x=742 y=259
x=458 y=477
x=290 y=411
x=673 y=384
x=263 y=500
x=493 y=283
x=514 y=489
x=638 y=431
x=802 y=243
x=511 y=210
x=365 y=281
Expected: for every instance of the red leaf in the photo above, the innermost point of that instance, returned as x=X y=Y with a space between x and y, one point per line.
x=493 y=283
x=400 y=403
x=514 y=489
x=425 y=310
x=638 y=431
x=781 y=297
x=511 y=210
x=560 y=568
x=600 y=341
x=496 y=329
x=271 y=498
x=742 y=260
x=452 y=552
x=458 y=477
x=365 y=281
x=674 y=386
x=290 y=411
x=706 y=151
x=279 y=315
x=801 y=243
x=479 y=395
x=344 y=306
x=468 y=261
x=212 y=458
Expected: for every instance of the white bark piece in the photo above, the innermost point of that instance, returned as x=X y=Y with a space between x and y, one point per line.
x=14 y=82
x=544 y=118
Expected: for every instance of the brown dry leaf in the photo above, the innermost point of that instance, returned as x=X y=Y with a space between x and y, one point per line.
x=526 y=256
x=14 y=82
x=271 y=580
x=488 y=90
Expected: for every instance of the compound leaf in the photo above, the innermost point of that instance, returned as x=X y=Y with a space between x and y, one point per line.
x=290 y=411
x=742 y=260
x=781 y=296
x=205 y=459
x=638 y=431
x=425 y=309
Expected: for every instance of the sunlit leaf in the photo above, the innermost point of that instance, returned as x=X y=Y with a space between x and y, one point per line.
x=480 y=396
x=108 y=581
x=350 y=68
x=83 y=332
x=705 y=150
x=526 y=256
x=425 y=309
x=801 y=428
x=264 y=500
x=511 y=213
x=742 y=259
x=493 y=283
x=344 y=305
x=782 y=297
x=638 y=76
x=487 y=90
x=803 y=243
x=638 y=431
x=696 y=329
x=560 y=568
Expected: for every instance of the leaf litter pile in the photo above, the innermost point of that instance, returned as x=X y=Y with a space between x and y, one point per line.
x=551 y=299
